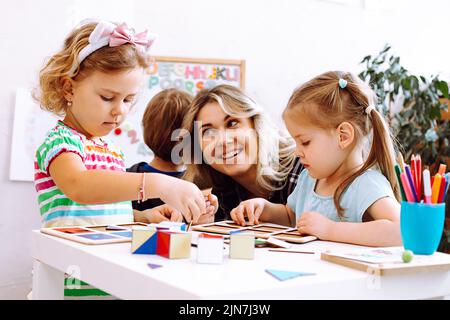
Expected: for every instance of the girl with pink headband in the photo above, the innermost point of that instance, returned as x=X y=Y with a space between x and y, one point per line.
x=93 y=82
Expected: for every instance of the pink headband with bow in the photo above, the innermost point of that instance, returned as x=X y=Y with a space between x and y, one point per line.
x=106 y=33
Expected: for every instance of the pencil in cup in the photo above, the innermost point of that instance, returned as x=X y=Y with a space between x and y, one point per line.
x=411 y=183
x=406 y=187
x=398 y=172
x=419 y=176
x=442 y=189
x=427 y=186
x=436 y=188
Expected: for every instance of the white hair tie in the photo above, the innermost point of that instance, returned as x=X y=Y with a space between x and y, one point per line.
x=369 y=109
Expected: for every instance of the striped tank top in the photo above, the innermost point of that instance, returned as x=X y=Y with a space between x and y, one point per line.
x=55 y=207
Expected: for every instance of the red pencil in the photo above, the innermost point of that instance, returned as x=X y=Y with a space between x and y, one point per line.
x=442 y=190
x=413 y=173
x=419 y=175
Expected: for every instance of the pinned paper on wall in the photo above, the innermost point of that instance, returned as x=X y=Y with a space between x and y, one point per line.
x=187 y=74
x=31 y=123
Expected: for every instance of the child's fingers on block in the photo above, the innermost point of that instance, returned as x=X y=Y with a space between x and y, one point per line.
x=176 y=216
x=258 y=212
x=249 y=209
x=240 y=215
x=233 y=215
x=196 y=210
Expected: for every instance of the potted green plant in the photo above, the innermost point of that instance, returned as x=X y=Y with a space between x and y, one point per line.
x=413 y=106
x=417 y=124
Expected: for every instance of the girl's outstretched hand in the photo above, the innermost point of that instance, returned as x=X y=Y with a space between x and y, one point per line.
x=162 y=213
x=252 y=209
x=184 y=196
x=315 y=224
x=212 y=204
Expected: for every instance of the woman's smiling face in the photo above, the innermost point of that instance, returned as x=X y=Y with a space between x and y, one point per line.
x=229 y=144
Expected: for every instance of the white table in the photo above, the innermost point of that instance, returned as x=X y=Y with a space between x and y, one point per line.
x=115 y=270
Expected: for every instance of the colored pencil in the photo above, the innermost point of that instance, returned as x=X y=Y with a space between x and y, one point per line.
x=427 y=186
x=401 y=161
x=398 y=172
x=435 y=189
x=411 y=183
x=406 y=187
x=419 y=175
x=442 y=189
x=447 y=184
x=442 y=168
x=412 y=167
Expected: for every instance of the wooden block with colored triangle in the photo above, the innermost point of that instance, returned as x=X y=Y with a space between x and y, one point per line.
x=174 y=245
x=144 y=240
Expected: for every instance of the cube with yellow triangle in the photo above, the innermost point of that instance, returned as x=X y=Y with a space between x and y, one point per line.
x=144 y=240
x=174 y=244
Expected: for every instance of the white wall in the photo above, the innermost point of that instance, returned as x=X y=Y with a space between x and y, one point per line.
x=284 y=43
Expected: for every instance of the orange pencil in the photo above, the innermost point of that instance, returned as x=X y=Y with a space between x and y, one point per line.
x=436 y=188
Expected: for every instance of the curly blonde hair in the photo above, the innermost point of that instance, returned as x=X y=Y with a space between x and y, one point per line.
x=50 y=95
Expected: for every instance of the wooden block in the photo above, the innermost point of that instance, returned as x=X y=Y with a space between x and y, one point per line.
x=144 y=240
x=174 y=245
x=209 y=249
x=242 y=245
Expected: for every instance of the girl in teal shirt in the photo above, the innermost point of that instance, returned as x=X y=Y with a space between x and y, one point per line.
x=348 y=192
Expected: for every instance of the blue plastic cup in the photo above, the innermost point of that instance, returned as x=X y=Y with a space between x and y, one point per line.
x=421 y=226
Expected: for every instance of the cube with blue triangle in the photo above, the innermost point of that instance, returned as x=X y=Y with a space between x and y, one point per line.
x=144 y=240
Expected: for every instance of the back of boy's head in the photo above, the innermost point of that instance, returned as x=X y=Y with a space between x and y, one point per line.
x=105 y=59
x=335 y=97
x=164 y=114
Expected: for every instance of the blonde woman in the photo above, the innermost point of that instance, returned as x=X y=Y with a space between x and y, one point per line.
x=238 y=152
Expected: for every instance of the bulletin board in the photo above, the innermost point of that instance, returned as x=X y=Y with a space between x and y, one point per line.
x=189 y=74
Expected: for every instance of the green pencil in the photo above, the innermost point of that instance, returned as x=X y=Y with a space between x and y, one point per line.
x=398 y=172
